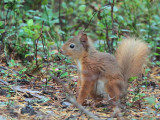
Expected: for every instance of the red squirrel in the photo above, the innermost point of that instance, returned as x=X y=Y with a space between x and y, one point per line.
x=102 y=75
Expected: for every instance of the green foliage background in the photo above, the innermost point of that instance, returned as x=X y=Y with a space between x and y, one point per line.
x=30 y=27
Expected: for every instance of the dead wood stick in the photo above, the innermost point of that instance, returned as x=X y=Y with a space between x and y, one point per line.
x=26 y=91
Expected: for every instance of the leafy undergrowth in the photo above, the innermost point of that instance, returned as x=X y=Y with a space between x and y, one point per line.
x=28 y=96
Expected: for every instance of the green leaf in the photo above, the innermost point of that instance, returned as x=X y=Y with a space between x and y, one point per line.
x=64 y=5
x=132 y=79
x=8 y=95
x=28 y=41
x=115 y=9
x=89 y=13
x=44 y=99
x=158 y=62
x=120 y=18
x=30 y=54
x=2 y=30
x=44 y=2
x=156 y=54
x=113 y=36
x=55 y=21
x=50 y=43
x=142 y=94
x=129 y=104
x=30 y=22
x=147 y=70
x=3 y=104
x=158 y=47
x=157 y=106
x=82 y=8
x=125 y=30
x=46 y=28
x=151 y=100
x=1 y=23
x=64 y=74
x=52 y=52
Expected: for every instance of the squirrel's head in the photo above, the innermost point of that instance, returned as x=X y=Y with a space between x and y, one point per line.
x=77 y=46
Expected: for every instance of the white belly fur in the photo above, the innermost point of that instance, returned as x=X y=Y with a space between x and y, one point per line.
x=100 y=88
x=79 y=65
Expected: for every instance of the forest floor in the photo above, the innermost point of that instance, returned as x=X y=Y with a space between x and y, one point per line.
x=26 y=96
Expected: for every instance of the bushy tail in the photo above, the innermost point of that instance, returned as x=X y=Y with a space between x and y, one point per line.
x=131 y=54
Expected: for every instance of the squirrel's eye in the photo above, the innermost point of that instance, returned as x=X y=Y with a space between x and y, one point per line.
x=71 y=45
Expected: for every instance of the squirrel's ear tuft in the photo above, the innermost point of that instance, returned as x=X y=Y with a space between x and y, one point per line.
x=80 y=33
x=84 y=38
x=84 y=41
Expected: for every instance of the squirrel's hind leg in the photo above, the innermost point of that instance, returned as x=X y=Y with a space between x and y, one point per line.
x=114 y=89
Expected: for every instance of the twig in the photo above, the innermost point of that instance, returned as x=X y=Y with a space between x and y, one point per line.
x=36 y=42
x=94 y=13
x=60 y=20
x=26 y=91
x=53 y=40
x=50 y=36
x=4 y=33
x=107 y=37
x=4 y=82
x=73 y=101
x=112 y=8
x=6 y=17
x=4 y=68
x=46 y=57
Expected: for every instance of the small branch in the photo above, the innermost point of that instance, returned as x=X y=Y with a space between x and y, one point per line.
x=60 y=20
x=4 y=82
x=25 y=91
x=6 y=17
x=94 y=13
x=46 y=57
x=110 y=41
x=72 y=100
x=53 y=40
x=107 y=37
x=112 y=8
x=36 y=42
x=7 y=69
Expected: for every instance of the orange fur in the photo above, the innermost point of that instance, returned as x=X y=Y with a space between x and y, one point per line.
x=131 y=54
x=101 y=75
